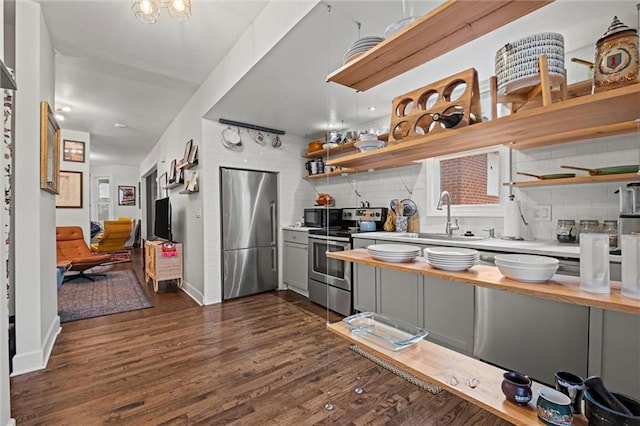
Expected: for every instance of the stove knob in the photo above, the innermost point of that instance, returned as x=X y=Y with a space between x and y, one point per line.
x=377 y=214
x=349 y=214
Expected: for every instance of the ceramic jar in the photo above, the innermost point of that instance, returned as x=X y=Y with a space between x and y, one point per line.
x=554 y=407
x=617 y=62
x=517 y=388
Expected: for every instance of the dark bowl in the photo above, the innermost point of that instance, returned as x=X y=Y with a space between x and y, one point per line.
x=599 y=415
x=517 y=388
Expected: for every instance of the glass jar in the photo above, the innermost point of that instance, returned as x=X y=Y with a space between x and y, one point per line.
x=611 y=227
x=589 y=227
x=566 y=231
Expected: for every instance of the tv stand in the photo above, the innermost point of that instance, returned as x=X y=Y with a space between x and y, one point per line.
x=160 y=267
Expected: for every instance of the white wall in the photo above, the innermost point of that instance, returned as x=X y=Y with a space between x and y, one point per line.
x=77 y=217
x=37 y=320
x=200 y=235
x=120 y=176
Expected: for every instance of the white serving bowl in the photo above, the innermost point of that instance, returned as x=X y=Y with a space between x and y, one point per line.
x=529 y=275
x=526 y=260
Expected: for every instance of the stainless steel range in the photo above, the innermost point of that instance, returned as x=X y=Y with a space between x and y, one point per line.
x=330 y=279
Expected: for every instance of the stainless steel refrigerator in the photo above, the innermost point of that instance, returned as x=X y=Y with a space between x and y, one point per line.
x=248 y=207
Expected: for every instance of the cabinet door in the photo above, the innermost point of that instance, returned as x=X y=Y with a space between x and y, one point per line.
x=399 y=295
x=449 y=313
x=617 y=337
x=364 y=282
x=295 y=267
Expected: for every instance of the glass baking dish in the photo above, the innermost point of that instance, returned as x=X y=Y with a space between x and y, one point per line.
x=385 y=331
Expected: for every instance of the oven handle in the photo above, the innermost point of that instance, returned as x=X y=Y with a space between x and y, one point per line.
x=329 y=238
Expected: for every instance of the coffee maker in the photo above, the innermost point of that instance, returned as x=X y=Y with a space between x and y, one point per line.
x=629 y=219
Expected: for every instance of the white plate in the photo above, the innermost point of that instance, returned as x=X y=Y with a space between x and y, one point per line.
x=393 y=248
x=230 y=136
x=450 y=251
x=451 y=268
x=394 y=259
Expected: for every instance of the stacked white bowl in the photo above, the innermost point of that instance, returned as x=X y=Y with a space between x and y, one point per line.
x=527 y=267
x=368 y=142
x=394 y=253
x=451 y=258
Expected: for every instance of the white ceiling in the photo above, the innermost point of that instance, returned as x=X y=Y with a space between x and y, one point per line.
x=111 y=68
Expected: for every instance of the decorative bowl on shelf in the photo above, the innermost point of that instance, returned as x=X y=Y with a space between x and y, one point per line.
x=516 y=387
x=527 y=274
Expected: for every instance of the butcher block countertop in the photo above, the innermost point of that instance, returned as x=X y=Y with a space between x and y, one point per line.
x=562 y=288
x=453 y=371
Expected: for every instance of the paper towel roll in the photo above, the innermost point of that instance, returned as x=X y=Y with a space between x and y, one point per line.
x=511 y=219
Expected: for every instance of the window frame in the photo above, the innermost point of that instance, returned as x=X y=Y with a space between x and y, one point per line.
x=432 y=185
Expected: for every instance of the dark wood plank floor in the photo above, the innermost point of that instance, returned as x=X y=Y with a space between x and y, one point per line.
x=264 y=359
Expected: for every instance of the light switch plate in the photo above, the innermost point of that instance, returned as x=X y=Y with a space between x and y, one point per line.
x=542 y=213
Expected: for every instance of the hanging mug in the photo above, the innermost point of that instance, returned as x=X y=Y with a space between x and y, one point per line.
x=276 y=142
x=259 y=138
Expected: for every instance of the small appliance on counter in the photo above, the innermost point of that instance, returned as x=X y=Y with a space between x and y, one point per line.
x=322 y=217
x=629 y=219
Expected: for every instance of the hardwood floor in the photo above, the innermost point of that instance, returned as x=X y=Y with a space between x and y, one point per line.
x=264 y=359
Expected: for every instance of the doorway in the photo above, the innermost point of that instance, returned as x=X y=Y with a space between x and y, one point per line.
x=151 y=192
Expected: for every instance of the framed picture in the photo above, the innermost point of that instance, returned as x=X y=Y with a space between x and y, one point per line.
x=70 y=191
x=187 y=151
x=49 y=149
x=162 y=185
x=73 y=151
x=126 y=195
x=193 y=155
x=172 y=172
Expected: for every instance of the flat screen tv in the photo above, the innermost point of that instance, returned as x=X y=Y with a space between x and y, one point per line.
x=162 y=223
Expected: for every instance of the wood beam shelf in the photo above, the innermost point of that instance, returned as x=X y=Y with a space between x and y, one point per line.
x=442 y=30
x=620 y=177
x=598 y=115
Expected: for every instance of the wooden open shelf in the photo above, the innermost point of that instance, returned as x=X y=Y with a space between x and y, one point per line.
x=442 y=30
x=328 y=152
x=602 y=114
x=326 y=175
x=438 y=365
x=575 y=180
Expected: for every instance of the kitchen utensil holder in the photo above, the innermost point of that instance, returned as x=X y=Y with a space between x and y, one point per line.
x=414 y=114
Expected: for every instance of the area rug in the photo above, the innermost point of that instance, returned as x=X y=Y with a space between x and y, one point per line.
x=118 y=291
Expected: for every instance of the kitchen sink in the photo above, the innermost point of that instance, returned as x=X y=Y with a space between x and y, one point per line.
x=433 y=236
x=437 y=236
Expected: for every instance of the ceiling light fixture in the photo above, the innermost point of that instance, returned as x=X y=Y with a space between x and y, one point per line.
x=120 y=125
x=66 y=109
x=147 y=11
x=59 y=117
x=371 y=108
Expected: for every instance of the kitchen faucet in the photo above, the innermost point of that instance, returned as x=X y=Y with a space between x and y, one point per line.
x=450 y=226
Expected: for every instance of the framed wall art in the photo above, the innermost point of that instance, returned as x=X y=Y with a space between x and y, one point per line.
x=193 y=154
x=49 y=149
x=172 y=172
x=73 y=151
x=187 y=151
x=70 y=190
x=126 y=195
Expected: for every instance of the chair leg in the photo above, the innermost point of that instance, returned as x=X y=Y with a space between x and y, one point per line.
x=82 y=274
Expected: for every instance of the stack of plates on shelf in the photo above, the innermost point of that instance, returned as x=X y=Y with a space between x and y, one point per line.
x=369 y=145
x=451 y=258
x=394 y=253
x=359 y=47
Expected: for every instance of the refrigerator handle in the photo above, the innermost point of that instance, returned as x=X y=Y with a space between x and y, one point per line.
x=274 y=229
x=274 y=261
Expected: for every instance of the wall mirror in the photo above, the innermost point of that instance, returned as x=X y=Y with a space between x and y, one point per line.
x=49 y=149
x=474 y=180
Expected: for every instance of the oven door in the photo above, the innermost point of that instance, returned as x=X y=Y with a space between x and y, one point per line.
x=336 y=273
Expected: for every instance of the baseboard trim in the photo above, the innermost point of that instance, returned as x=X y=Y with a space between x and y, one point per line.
x=37 y=360
x=193 y=293
x=12 y=422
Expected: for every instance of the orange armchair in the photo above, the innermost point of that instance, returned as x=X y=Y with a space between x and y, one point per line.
x=113 y=238
x=71 y=247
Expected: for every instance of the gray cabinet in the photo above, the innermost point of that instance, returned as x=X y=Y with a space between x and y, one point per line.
x=449 y=313
x=295 y=261
x=400 y=295
x=614 y=350
x=364 y=281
